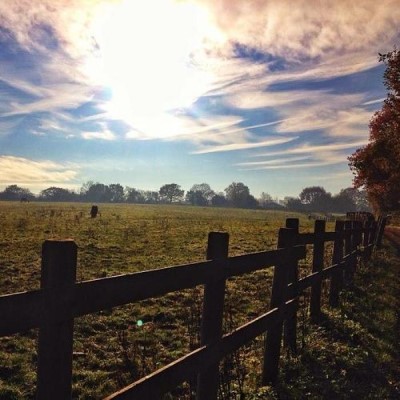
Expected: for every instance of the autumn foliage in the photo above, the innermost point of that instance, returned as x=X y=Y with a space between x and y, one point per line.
x=377 y=165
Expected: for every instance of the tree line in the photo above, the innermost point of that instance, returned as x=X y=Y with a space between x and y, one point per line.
x=237 y=194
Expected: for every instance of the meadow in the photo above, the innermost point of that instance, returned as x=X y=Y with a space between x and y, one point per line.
x=115 y=347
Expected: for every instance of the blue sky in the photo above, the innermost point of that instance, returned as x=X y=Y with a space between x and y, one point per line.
x=275 y=94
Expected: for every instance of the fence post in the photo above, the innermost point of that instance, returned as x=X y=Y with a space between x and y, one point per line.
x=317 y=266
x=54 y=373
x=290 y=329
x=381 y=230
x=273 y=340
x=372 y=238
x=365 y=240
x=358 y=239
x=355 y=231
x=211 y=325
x=348 y=248
x=337 y=256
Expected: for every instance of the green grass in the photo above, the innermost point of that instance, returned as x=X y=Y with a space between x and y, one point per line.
x=110 y=351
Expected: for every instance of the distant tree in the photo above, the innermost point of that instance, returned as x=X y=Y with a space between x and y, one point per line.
x=171 y=192
x=54 y=193
x=196 y=198
x=316 y=198
x=116 y=193
x=295 y=204
x=310 y=195
x=96 y=192
x=204 y=189
x=266 y=201
x=200 y=194
x=251 y=202
x=360 y=197
x=343 y=202
x=238 y=195
x=151 y=197
x=85 y=188
x=219 y=200
x=376 y=166
x=133 y=195
x=16 y=193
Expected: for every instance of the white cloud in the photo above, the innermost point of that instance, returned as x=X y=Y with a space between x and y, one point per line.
x=277 y=161
x=242 y=145
x=313 y=164
x=306 y=110
x=23 y=171
x=375 y=101
x=180 y=127
x=102 y=135
x=314 y=156
x=59 y=98
x=307 y=28
x=309 y=148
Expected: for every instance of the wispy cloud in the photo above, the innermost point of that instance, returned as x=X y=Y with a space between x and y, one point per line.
x=280 y=166
x=309 y=148
x=103 y=133
x=376 y=101
x=314 y=156
x=23 y=171
x=181 y=127
x=243 y=146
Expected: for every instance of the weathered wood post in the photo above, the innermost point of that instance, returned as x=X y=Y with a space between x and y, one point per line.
x=381 y=230
x=317 y=266
x=54 y=374
x=372 y=238
x=290 y=328
x=357 y=241
x=348 y=248
x=337 y=256
x=286 y=239
x=211 y=324
x=365 y=240
x=352 y=242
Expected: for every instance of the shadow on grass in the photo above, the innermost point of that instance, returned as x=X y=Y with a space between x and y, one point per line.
x=353 y=352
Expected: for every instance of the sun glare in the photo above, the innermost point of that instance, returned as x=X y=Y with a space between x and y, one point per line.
x=147 y=50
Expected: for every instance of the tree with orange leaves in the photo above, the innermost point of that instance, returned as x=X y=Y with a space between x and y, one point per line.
x=377 y=165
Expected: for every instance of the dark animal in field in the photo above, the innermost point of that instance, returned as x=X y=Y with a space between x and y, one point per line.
x=94 y=211
x=24 y=200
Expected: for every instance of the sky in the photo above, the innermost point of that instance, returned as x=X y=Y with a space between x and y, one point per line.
x=274 y=94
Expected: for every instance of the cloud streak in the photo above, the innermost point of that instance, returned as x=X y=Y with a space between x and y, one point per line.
x=242 y=146
x=314 y=156
x=25 y=171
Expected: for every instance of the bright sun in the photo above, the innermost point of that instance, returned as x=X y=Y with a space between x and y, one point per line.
x=147 y=60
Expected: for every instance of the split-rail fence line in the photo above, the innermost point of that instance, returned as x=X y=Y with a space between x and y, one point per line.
x=60 y=299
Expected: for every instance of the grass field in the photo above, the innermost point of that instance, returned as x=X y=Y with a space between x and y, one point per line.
x=111 y=350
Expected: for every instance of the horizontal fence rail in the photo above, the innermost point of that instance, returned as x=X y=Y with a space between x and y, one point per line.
x=60 y=299
x=27 y=310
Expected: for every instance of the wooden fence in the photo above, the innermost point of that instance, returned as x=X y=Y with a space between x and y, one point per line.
x=60 y=299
